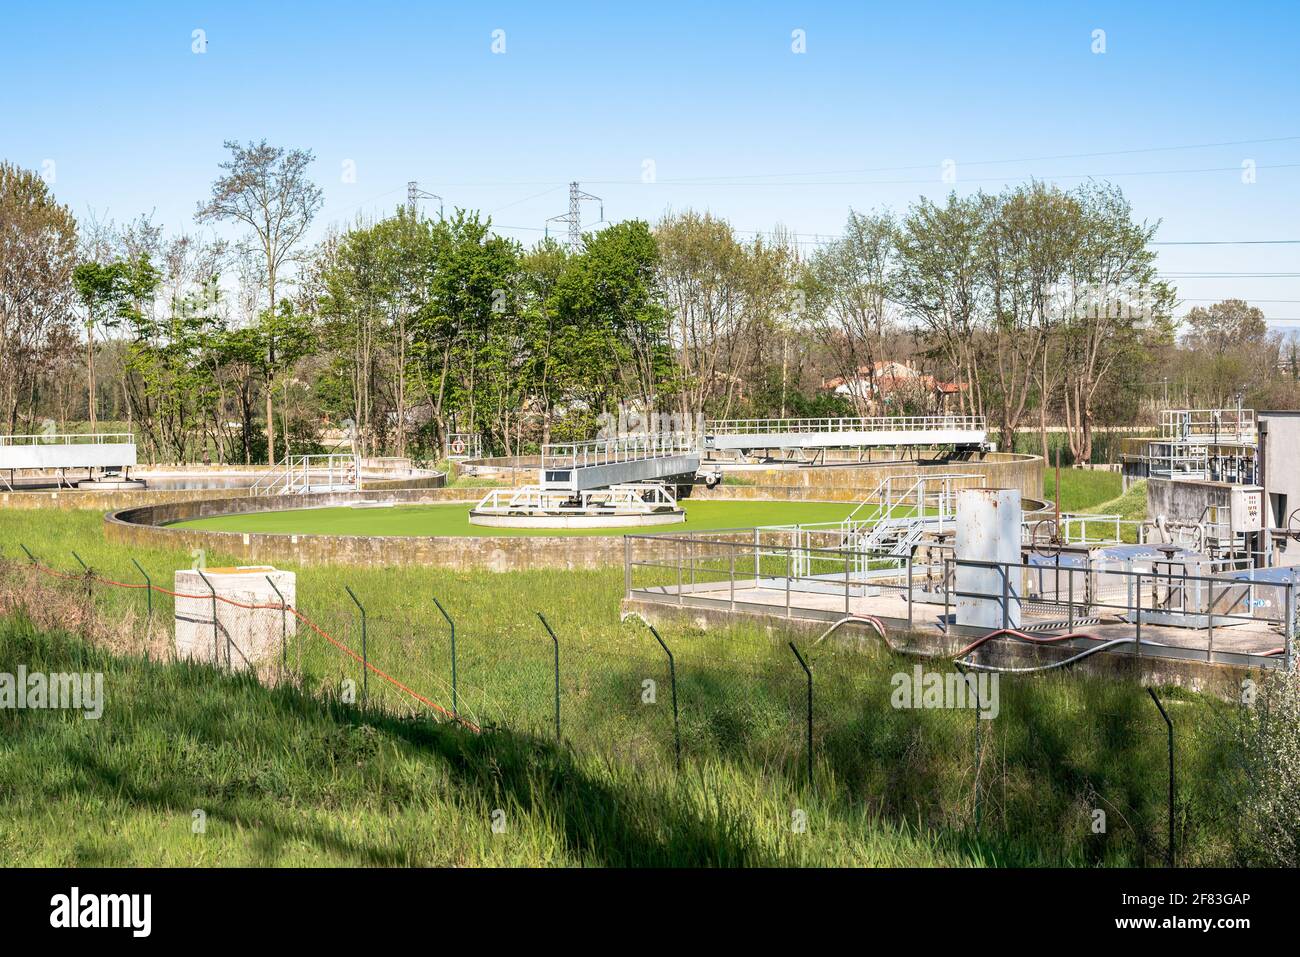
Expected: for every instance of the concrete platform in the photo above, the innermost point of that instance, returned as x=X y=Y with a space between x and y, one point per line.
x=1237 y=644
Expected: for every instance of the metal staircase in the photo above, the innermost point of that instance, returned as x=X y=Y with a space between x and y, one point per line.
x=892 y=536
x=879 y=535
x=301 y=474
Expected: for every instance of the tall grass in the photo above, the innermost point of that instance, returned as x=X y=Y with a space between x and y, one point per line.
x=289 y=774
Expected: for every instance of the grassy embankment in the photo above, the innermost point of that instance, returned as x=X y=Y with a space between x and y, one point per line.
x=290 y=775
x=1099 y=493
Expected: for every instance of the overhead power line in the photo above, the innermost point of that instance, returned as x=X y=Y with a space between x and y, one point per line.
x=901 y=168
x=787 y=184
x=997 y=162
x=1226 y=242
x=574 y=216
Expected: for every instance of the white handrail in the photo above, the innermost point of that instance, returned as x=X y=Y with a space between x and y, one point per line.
x=888 y=423
x=70 y=438
x=626 y=448
x=299 y=474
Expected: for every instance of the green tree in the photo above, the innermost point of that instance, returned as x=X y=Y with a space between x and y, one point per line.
x=38 y=252
x=469 y=286
x=267 y=189
x=112 y=294
x=615 y=334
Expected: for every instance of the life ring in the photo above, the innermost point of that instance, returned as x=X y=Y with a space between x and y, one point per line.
x=458 y=446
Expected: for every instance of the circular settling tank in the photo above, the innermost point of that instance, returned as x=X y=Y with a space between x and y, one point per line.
x=111 y=484
x=453 y=520
x=610 y=519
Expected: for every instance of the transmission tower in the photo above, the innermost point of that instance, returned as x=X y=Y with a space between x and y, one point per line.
x=574 y=216
x=413 y=196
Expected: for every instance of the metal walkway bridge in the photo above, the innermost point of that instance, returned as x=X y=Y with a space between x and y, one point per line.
x=109 y=452
x=743 y=435
x=657 y=456
x=629 y=459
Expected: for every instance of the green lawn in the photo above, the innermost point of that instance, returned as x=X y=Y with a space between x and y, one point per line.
x=1081 y=488
x=454 y=520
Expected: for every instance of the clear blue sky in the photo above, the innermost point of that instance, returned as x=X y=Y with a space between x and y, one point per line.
x=133 y=120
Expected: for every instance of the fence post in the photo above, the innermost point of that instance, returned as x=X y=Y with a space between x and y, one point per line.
x=365 y=658
x=672 y=681
x=148 y=597
x=284 y=628
x=216 y=641
x=86 y=574
x=807 y=671
x=455 y=708
x=556 y=641
x=1169 y=857
x=974 y=688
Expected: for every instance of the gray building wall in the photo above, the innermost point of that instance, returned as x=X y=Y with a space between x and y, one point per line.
x=1279 y=450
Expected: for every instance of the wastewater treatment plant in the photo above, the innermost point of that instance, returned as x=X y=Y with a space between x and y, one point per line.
x=461 y=444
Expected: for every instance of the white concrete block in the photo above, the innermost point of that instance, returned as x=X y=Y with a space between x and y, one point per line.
x=244 y=636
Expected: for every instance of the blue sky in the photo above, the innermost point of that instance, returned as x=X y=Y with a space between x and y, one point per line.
x=733 y=120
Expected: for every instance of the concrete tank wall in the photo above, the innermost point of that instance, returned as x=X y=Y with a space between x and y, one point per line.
x=103 y=500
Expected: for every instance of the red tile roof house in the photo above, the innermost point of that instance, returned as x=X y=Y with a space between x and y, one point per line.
x=888 y=385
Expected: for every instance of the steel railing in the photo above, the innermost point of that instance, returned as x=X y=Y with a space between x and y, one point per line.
x=1209 y=425
x=70 y=438
x=757 y=571
x=300 y=474
x=906 y=423
x=630 y=499
x=626 y=448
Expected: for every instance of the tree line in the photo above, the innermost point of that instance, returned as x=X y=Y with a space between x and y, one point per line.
x=1036 y=306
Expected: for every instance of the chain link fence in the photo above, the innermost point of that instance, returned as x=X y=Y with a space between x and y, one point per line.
x=823 y=716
